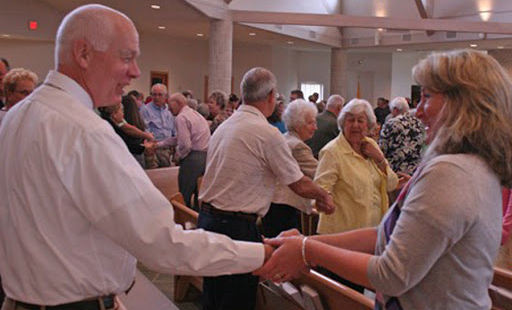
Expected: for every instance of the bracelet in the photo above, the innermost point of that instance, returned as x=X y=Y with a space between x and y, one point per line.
x=304 y=250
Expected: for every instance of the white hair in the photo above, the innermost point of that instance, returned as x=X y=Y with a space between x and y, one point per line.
x=399 y=103
x=94 y=23
x=257 y=84
x=356 y=106
x=334 y=102
x=296 y=111
x=159 y=85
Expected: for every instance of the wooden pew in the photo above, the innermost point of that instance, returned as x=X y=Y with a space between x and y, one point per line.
x=186 y=217
x=333 y=294
x=501 y=289
x=165 y=179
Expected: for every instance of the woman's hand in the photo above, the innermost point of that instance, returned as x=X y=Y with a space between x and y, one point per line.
x=372 y=151
x=286 y=262
x=402 y=180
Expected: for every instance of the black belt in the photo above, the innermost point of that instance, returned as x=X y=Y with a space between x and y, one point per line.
x=208 y=208
x=89 y=304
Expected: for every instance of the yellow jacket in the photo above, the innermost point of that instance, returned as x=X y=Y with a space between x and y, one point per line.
x=358 y=186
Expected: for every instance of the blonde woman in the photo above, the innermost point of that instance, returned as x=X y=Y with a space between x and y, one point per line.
x=436 y=246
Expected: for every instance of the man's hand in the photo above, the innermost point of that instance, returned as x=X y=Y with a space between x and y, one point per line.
x=326 y=205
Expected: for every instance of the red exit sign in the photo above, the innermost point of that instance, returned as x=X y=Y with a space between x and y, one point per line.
x=32 y=25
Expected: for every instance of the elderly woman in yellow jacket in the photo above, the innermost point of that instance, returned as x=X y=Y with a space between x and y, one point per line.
x=354 y=170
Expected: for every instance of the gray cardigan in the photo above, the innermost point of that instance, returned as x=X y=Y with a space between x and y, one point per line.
x=442 y=250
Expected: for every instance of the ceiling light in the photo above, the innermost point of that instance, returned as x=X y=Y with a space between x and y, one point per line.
x=380 y=29
x=290 y=42
x=199 y=34
x=161 y=27
x=252 y=34
x=5 y=35
x=399 y=49
x=473 y=45
x=155 y=7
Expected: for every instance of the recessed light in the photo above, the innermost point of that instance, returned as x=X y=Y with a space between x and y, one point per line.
x=155 y=6
x=199 y=34
x=290 y=42
x=399 y=49
x=5 y=35
x=380 y=29
x=252 y=34
x=473 y=45
x=500 y=47
x=161 y=27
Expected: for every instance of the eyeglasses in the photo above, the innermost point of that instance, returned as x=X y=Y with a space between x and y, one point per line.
x=158 y=94
x=23 y=92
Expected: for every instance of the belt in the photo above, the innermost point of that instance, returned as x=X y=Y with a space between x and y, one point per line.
x=208 y=208
x=99 y=303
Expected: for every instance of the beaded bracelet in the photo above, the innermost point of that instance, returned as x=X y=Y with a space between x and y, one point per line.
x=304 y=250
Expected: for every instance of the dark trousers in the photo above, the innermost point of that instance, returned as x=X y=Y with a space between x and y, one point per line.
x=191 y=168
x=234 y=291
x=280 y=217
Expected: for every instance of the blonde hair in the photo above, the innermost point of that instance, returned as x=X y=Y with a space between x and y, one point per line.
x=15 y=75
x=477 y=112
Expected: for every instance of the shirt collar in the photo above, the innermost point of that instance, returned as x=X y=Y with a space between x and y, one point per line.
x=70 y=86
x=345 y=146
x=253 y=110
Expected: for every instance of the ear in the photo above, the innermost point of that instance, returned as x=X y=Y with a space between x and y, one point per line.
x=82 y=52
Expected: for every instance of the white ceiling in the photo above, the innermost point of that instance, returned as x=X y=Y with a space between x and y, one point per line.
x=184 y=21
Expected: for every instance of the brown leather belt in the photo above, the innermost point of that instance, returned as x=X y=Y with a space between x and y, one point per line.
x=208 y=208
x=99 y=303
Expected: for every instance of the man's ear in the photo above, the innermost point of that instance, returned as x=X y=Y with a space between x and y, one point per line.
x=82 y=52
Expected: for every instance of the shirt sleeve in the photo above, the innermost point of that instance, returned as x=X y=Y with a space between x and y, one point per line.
x=184 y=141
x=126 y=207
x=307 y=162
x=432 y=220
x=327 y=173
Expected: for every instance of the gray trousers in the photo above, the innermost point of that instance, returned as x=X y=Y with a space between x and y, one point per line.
x=191 y=168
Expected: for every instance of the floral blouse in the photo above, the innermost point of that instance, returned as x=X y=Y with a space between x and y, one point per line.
x=401 y=140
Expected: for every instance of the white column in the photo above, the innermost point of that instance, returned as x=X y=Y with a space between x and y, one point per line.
x=220 y=58
x=338 y=72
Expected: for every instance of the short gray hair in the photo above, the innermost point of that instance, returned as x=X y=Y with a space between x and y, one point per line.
x=192 y=103
x=357 y=106
x=295 y=113
x=399 y=103
x=93 y=23
x=335 y=101
x=203 y=109
x=257 y=84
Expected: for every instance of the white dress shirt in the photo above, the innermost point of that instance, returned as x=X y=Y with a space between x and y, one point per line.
x=246 y=158
x=77 y=208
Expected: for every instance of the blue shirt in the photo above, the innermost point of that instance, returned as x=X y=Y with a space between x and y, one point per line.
x=159 y=121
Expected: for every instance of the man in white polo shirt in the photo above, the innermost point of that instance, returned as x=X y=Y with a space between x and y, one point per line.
x=246 y=158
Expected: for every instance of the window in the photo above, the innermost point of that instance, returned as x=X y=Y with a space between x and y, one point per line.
x=309 y=88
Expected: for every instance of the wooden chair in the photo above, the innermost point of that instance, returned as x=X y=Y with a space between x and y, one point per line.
x=165 y=179
x=186 y=217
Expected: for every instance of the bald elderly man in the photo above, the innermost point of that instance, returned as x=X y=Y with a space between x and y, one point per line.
x=192 y=138
x=83 y=210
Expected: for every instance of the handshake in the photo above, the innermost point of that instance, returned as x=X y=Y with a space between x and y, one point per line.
x=285 y=257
